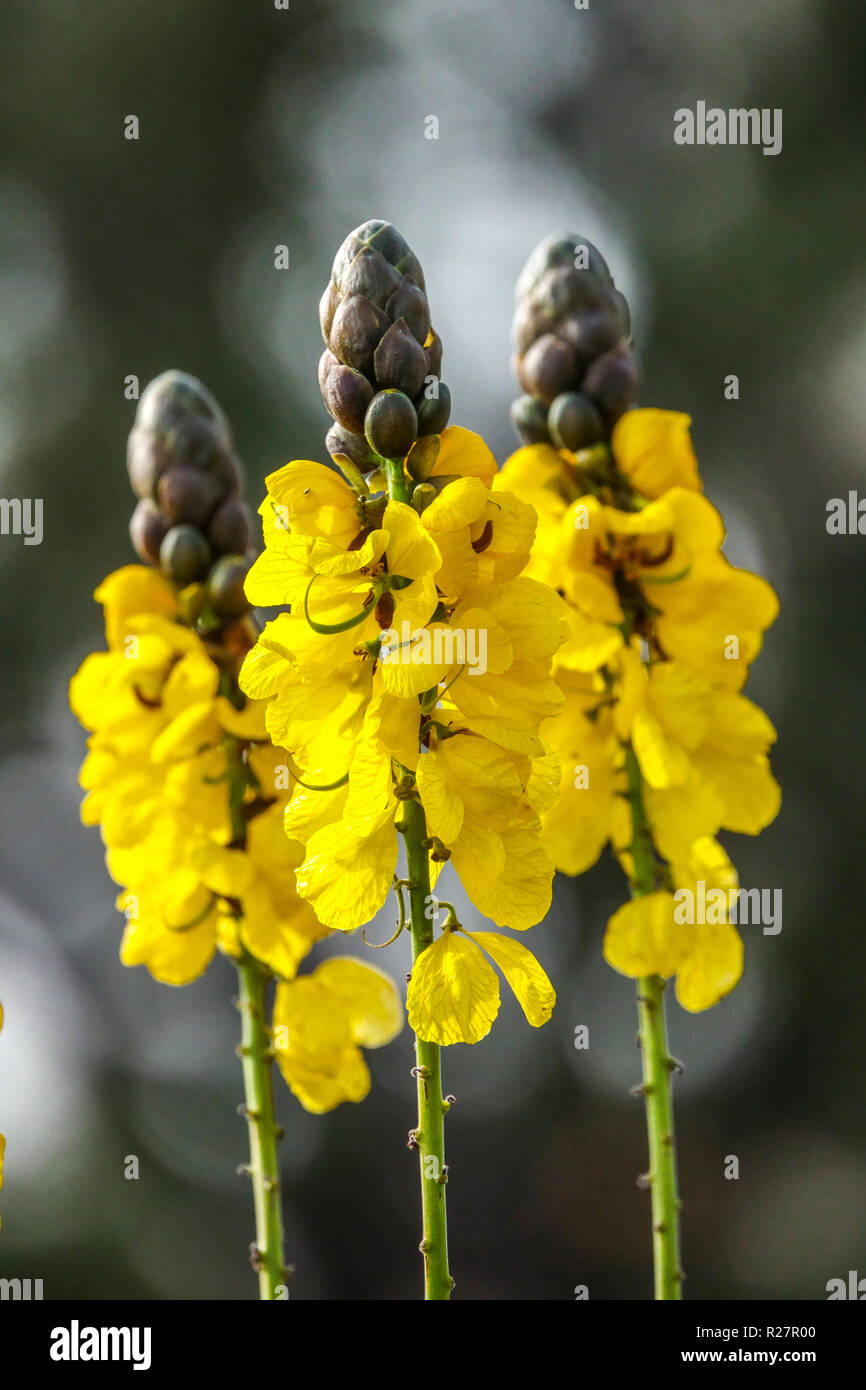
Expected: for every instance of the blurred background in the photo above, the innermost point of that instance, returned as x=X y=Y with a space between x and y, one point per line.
x=262 y=127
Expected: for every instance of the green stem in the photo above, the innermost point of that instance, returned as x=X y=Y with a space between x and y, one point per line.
x=398 y=487
x=430 y=1134
x=256 y=1056
x=658 y=1066
x=266 y=1252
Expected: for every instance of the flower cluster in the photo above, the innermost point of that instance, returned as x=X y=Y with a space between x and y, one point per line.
x=190 y=793
x=375 y=681
x=654 y=725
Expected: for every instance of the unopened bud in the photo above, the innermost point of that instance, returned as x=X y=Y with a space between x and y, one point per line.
x=146 y=461
x=345 y=391
x=187 y=494
x=593 y=332
x=371 y=275
x=354 y=447
x=434 y=355
x=356 y=331
x=172 y=396
x=573 y=421
x=612 y=381
x=529 y=417
x=147 y=531
x=184 y=555
x=434 y=411
x=410 y=304
x=229 y=528
x=391 y=424
x=225 y=586
x=548 y=368
x=399 y=361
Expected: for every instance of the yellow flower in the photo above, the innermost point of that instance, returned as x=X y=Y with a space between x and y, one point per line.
x=454 y=993
x=165 y=747
x=651 y=936
x=665 y=552
x=321 y=1022
x=703 y=756
x=653 y=448
x=414 y=646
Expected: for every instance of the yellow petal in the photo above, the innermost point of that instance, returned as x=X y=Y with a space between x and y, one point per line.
x=465 y=453
x=346 y=877
x=131 y=590
x=458 y=505
x=642 y=937
x=654 y=449
x=193 y=730
x=713 y=967
x=173 y=957
x=246 y=723
x=453 y=994
x=442 y=802
x=662 y=762
x=367 y=996
x=533 y=990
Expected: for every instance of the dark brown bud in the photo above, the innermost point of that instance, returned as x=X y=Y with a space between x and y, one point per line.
x=357 y=328
x=346 y=393
x=227 y=469
x=434 y=411
x=385 y=238
x=611 y=382
x=563 y=249
x=172 y=396
x=529 y=417
x=328 y=308
x=391 y=425
x=229 y=528
x=147 y=530
x=372 y=276
x=411 y=266
x=184 y=555
x=225 y=586
x=187 y=494
x=434 y=356
x=593 y=332
x=340 y=442
x=146 y=461
x=410 y=304
x=573 y=421
x=529 y=324
x=620 y=302
x=197 y=441
x=548 y=368
x=399 y=361
x=564 y=291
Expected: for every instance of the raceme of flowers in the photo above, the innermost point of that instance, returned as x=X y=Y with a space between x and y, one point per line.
x=662 y=632
x=189 y=794
x=370 y=681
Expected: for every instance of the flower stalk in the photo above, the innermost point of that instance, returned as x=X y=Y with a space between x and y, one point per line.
x=256 y=1054
x=266 y=1254
x=429 y=1137
x=658 y=1068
